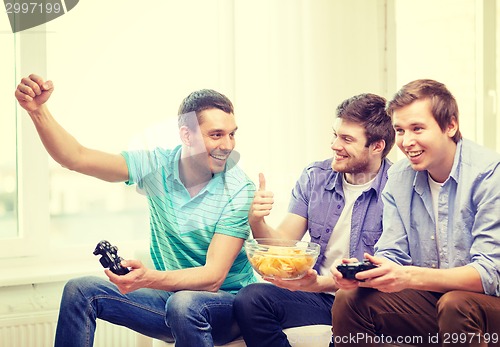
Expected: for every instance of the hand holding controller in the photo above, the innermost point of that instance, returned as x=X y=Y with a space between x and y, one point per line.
x=349 y=270
x=109 y=258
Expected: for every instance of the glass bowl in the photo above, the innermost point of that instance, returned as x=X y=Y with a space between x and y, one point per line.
x=280 y=258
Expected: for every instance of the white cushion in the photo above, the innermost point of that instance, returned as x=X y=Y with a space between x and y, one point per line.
x=309 y=335
x=306 y=336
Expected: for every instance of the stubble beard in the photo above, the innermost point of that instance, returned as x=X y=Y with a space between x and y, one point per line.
x=355 y=166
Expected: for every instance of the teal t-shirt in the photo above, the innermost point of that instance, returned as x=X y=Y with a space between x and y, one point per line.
x=182 y=226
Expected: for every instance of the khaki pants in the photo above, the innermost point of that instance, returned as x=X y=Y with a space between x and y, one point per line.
x=367 y=317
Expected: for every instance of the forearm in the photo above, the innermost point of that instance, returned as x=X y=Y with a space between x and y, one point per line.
x=260 y=229
x=293 y=227
x=68 y=152
x=61 y=146
x=443 y=280
x=199 y=278
x=326 y=284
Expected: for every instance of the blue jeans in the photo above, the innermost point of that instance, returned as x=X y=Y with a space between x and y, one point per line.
x=191 y=318
x=263 y=310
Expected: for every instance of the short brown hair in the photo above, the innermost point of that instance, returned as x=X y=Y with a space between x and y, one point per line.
x=444 y=107
x=199 y=101
x=368 y=110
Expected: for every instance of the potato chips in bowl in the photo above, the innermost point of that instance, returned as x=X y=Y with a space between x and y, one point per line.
x=280 y=258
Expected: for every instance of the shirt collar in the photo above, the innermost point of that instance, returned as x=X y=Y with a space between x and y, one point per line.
x=420 y=183
x=212 y=187
x=457 y=161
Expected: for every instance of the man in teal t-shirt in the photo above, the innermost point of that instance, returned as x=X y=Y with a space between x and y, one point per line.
x=182 y=226
x=199 y=202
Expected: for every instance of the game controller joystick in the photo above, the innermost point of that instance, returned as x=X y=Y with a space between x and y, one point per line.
x=109 y=257
x=349 y=270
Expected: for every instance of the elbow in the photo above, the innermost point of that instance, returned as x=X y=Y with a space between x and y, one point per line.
x=215 y=281
x=74 y=160
x=70 y=166
x=75 y=167
x=215 y=285
x=70 y=163
x=70 y=158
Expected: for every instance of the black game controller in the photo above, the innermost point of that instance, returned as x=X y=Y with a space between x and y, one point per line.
x=350 y=270
x=109 y=257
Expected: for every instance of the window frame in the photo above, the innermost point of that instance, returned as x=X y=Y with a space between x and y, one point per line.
x=32 y=164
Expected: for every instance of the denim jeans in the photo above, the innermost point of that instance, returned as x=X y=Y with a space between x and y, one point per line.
x=191 y=318
x=263 y=310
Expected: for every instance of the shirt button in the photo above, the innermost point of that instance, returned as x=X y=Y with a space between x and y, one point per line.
x=338 y=206
x=433 y=266
x=327 y=230
x=432 y=237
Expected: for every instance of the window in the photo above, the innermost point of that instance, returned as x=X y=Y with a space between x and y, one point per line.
x=8 y=165
x=117 y=87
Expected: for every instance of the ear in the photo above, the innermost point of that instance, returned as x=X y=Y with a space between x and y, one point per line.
x=185 y=135
x=452 y=127
x=378 y=146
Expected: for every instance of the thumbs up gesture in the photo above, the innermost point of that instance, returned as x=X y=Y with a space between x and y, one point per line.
x=262 y=202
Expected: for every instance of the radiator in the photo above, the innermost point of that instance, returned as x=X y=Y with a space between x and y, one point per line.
x=38 y=329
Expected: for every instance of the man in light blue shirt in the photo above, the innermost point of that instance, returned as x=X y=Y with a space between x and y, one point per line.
x=437 y=280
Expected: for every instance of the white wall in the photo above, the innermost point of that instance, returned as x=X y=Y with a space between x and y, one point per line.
x=295 y=61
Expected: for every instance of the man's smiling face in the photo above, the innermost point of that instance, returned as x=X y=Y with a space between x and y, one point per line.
x=420 y=138
x=216 y=138
x=349 y=146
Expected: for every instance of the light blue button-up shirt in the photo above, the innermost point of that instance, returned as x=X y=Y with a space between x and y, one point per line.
x=468 y=225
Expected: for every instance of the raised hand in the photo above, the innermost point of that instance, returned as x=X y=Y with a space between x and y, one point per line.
x=33 y=92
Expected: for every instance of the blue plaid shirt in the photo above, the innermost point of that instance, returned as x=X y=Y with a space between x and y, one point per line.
x=318 y=196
